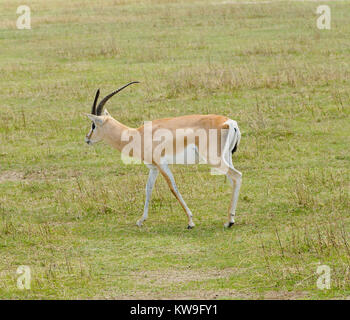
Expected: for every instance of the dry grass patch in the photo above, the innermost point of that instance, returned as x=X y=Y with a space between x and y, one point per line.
x=166 y=278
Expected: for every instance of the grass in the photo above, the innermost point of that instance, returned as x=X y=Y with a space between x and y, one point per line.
x=69 y=211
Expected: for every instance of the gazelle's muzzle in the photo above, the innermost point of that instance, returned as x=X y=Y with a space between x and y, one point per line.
x=88 y=136
x=87 y=140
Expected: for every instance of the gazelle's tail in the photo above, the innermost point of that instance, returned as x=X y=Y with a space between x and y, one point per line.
x=232 y=141
x=231 y=144
x=236 y=139
x=233 y=137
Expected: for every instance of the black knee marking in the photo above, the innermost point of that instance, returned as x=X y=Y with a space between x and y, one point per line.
x=189 y=227
x=230 y=224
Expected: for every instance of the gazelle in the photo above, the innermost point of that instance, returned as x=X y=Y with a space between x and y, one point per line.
x=194 y=131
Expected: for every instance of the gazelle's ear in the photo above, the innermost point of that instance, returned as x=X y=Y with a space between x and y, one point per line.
x=106 y=113
x=97 y=120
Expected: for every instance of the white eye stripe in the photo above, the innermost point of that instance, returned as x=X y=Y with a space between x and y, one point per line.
x=90 y=133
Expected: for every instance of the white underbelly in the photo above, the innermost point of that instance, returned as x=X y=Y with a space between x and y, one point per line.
x=189 y=155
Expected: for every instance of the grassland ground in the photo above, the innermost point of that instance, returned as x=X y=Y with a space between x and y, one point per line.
x=69 y=211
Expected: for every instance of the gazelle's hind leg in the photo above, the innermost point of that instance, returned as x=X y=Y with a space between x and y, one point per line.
x=236 y=178
x=167 y=174
x=152 y=176
x=233 y=174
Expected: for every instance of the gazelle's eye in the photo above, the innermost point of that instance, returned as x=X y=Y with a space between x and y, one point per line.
x=93 y=126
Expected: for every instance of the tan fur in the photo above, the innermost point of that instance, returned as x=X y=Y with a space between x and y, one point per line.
x=112 y=130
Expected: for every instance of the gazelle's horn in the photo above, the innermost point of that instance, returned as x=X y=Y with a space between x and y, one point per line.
x=106 y=98
x=93 y=110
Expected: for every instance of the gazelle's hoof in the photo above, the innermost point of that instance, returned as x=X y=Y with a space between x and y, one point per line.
x=229 y=224
x=190 y=225
x=139 y=223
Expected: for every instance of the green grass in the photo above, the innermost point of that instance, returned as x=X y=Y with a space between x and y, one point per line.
x=69 y=211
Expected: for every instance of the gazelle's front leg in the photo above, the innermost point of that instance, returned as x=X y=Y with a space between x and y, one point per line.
x=167 y=174
x=152 y=176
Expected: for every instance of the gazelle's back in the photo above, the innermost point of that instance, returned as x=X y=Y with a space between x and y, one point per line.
x=210 y=121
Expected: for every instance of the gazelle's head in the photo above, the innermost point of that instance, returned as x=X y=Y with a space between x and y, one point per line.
x=100 y=117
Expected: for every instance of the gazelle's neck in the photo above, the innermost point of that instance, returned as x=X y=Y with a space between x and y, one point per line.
x=113 y=133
